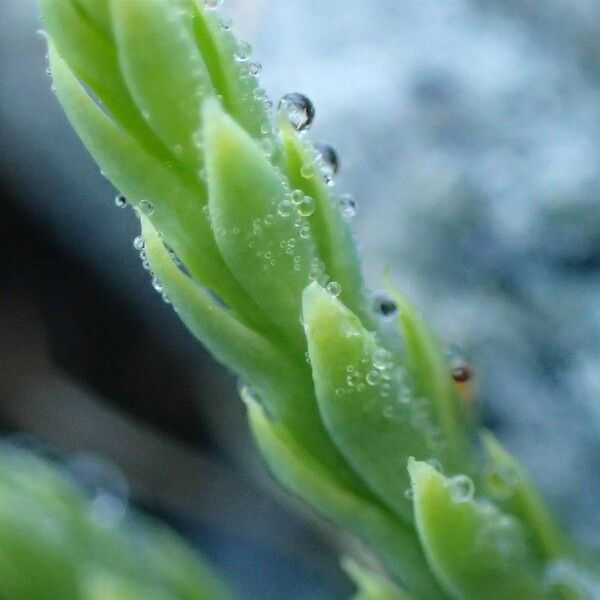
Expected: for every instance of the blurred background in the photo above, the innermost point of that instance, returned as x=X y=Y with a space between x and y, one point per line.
x=469 y=134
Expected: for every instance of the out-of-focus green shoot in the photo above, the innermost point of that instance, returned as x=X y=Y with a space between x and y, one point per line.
x=57 y=544
x=248 y=240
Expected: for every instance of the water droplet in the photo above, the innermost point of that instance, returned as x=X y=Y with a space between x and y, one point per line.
x=212 y=4
x=461 y=488
x=373 y=377
x=304 y=232
x=307 y=357
x=299 y=110
x=254 y=68
x=306 y=207
x=259 y=93
x=348 y=206
x=297 y=196
x=266 y=144
x=146 y=207
x=462 y=374
x=382 y=359
x=138 y=243
x=353 y=378
x=156 y=284
x=226 y=23
x=385 y=306
x=285 y=208
x=243 y=50
x=120 y=201
x=178 y=148
x=334 y=288
x=328 y=156
x=409 y=493
x=500 y=481
x=307 y=170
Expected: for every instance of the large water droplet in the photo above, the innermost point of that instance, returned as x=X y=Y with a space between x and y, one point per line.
x=299 y=110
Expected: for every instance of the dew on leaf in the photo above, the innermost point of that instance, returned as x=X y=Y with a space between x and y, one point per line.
x=120 y=201
x=348 y=206
x=334 y=288
x=243 y=50
x=306 y=207
x=285 y=208
x=146 y=207
x=138 y=243
x=299 y=110
x=461 y=488
x=329 y=157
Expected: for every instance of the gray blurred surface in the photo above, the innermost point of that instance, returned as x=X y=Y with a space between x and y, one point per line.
x=469 y=134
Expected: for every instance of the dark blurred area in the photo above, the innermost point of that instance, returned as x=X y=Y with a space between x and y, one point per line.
x=474 y=154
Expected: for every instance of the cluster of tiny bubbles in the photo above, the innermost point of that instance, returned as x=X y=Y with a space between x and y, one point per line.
x=299 y=110
x=384 y=306
x=462 y=488
x=354 y=378
x=212 y=4
x=120 y=201
x=334 y=289
x=146 y=207
x=242 y=51
x=105 y=485
x=347 y=205
x=500 y=481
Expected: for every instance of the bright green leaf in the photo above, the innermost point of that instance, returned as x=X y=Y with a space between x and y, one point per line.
x=477 y=551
